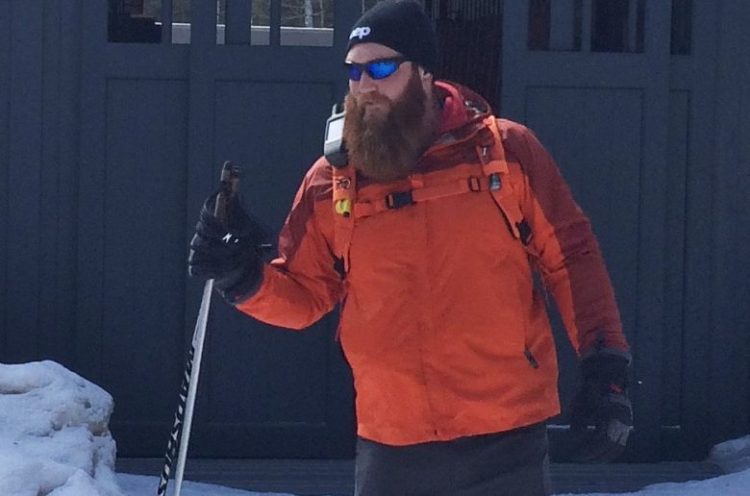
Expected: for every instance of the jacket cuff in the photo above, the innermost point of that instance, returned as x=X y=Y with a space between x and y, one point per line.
x=246 y=285
x=604 y=351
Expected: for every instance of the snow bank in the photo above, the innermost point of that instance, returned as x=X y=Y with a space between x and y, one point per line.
x=732 y=456
x=54 y=436
x=726 y=485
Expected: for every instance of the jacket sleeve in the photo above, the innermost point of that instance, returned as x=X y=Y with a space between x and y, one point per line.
x=301 y=285
x=566 y=250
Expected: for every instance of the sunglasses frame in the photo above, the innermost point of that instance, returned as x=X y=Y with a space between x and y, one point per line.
x=366 y=67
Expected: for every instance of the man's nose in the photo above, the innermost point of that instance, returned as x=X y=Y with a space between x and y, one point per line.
x=366 y=83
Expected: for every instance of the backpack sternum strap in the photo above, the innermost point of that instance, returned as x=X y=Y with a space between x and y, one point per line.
x=400 y=199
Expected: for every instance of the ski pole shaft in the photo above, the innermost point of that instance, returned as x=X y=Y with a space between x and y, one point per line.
x=183 y=420
x=174 y=435
x=199 y=337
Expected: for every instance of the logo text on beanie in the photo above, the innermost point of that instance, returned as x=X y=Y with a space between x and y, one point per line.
x=360 y=32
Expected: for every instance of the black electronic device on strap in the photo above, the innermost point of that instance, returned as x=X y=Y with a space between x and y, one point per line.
x=334 y=148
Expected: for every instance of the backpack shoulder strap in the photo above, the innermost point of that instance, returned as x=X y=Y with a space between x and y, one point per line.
x=344 y=197
x=503 y=187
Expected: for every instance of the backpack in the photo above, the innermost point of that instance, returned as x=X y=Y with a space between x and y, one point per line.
x=497 y=178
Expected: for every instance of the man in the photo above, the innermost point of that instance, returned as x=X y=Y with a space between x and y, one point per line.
x=428 y=238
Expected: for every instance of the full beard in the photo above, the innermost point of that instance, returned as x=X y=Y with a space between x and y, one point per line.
x=386 y=142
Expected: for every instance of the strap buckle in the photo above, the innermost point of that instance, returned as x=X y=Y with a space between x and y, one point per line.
x=474 y=184
x=524 y=229
x=399 y=200
x=495 y=182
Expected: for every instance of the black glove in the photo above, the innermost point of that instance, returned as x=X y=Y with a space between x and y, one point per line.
x=602 y=402
x=228 y=253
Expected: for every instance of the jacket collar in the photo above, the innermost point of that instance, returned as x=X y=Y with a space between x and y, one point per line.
x=460 y=107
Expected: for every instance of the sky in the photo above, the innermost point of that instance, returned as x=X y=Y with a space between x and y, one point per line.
x=54 y=440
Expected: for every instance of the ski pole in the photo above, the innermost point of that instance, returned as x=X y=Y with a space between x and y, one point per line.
x=183 y=419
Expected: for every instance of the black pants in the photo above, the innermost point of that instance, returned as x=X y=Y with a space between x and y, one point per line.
x=513 y=463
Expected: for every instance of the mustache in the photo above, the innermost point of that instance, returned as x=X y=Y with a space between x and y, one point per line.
x=372 y=98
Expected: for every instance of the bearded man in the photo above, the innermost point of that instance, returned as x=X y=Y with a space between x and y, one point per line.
x=428 y=238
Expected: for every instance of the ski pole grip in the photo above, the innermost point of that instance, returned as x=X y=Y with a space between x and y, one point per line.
x=230 y=184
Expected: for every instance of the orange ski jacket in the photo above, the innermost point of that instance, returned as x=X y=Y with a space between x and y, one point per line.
x=446 y=334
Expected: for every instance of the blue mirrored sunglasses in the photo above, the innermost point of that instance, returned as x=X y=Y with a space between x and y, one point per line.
x=376 y=69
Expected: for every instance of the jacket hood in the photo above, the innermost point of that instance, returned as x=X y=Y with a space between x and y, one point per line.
x=461 y=107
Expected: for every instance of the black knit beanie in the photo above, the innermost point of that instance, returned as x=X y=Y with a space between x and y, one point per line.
x=401 y=25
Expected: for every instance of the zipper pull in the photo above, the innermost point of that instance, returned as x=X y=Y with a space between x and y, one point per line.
x=531 y=358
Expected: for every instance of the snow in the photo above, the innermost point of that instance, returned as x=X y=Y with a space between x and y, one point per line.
x=733 y=455
x=54 y=436
x=55 y=441
x=138 y=485
x=726 y=485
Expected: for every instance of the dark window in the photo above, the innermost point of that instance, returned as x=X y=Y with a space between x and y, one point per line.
x=470 y=37
x=682 y=25
x=303 y=22
x=539 y=24
x=144 y=21
x=134 y=21
x=555 y=25
x=617 y=25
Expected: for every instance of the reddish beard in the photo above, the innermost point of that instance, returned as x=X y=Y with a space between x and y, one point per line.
x=387 y=146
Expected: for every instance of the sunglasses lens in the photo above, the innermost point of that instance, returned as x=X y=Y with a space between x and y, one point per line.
x=355 y=72
x=382 y=69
